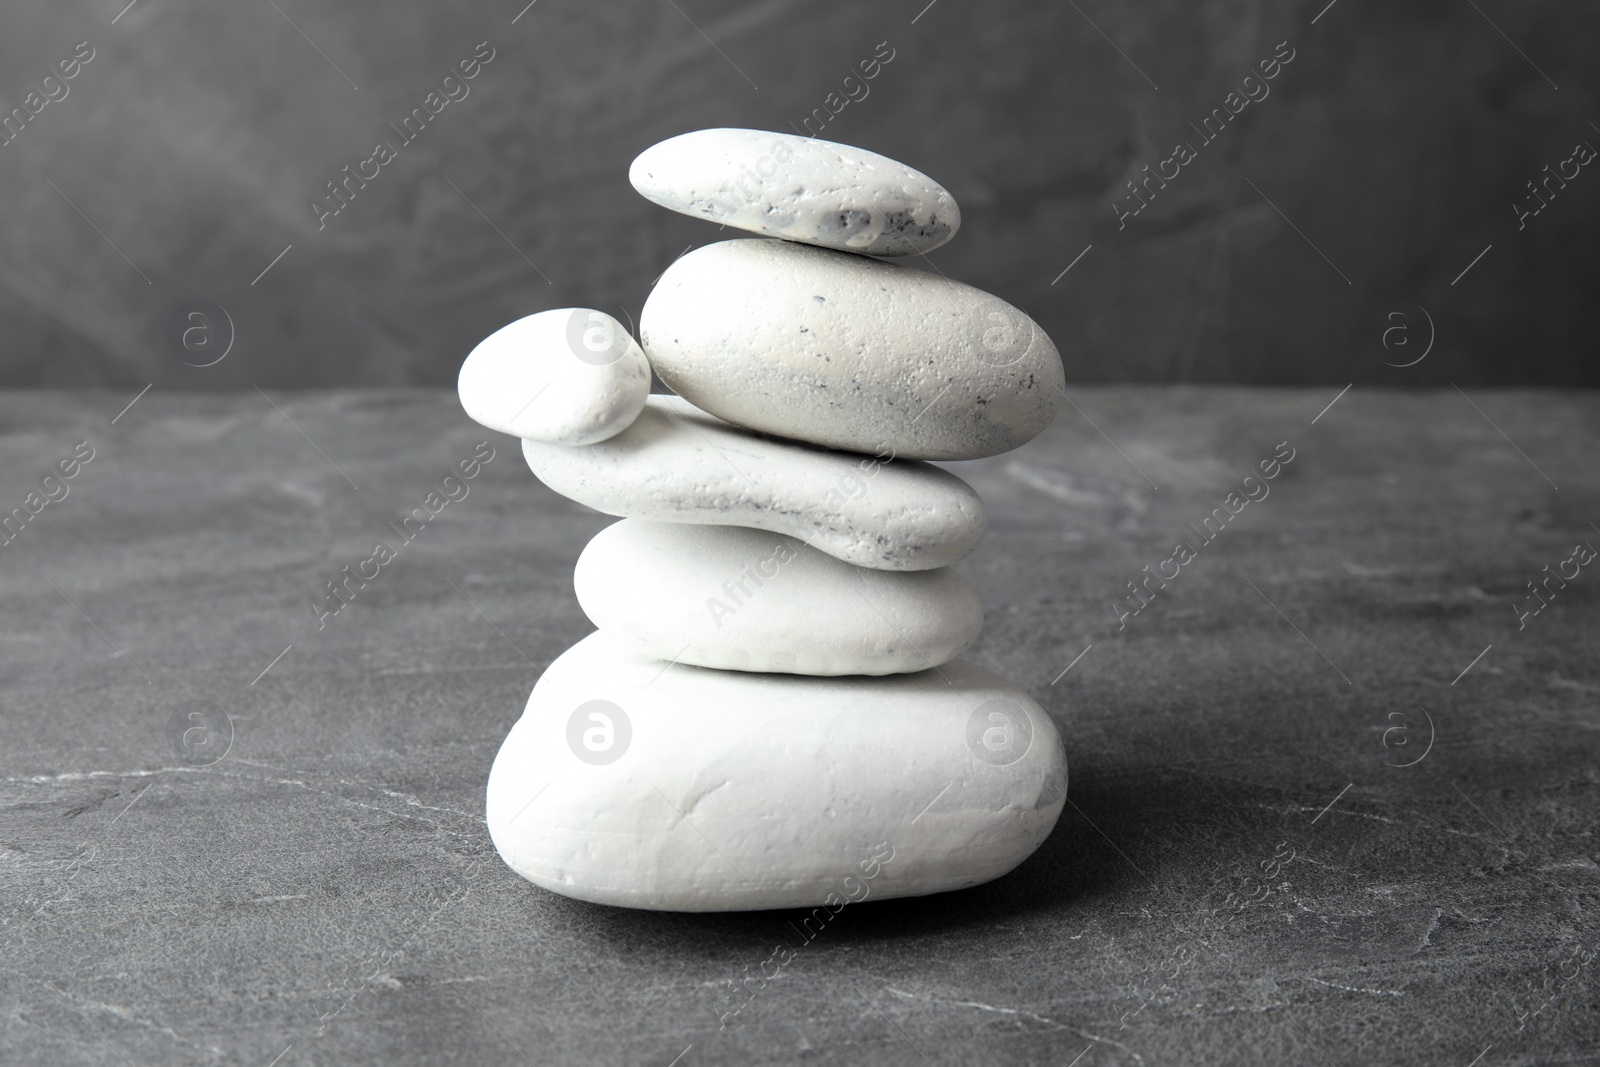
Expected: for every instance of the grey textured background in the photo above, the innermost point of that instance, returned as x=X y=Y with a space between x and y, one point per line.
x=326 y=893
x=1396 y=142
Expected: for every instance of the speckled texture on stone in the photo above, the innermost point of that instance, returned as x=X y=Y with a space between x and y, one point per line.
x=798 y=188
x=330 y=888
x=678 y=464
x=849 y=352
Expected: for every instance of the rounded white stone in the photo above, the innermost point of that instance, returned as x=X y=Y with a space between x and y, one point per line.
x=678 y=464
x=800 y=189
x=687 y=789
x=570 y=376
x=850 y=352
x=740 y=599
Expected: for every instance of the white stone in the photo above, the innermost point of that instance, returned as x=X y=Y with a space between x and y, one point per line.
x=850 y=352
x=678 y=464
x=740 y=599
x=631 y=782
x=570 y=376
x=800 y=189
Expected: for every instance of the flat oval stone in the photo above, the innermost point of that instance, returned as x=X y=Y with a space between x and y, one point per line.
x=675 y=463
x=740 y=599
x=674 y=788
x=849 y=352
x=570 y=376
x=799 y=189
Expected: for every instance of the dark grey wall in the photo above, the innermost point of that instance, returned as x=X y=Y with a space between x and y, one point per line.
x=1397 y=141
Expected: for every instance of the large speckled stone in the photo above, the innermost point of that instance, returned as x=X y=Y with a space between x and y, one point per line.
x=849 y=352
x=675 y=463
x=631 y=782
x=800 y=189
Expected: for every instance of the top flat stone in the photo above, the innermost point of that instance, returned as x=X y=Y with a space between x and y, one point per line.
x=799 y=189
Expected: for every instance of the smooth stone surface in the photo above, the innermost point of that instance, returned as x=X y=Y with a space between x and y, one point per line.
x=740 y=599
x=799 y=189
x=678 y=464
x=704 y=790
x=850 y=352
x=569 y=376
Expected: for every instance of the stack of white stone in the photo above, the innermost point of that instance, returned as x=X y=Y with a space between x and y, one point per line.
x=772 y=708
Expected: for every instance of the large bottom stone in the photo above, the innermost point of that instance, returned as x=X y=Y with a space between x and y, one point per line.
x=632 y=782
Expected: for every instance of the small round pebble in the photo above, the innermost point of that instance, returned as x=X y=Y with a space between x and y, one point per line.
x=570 y=376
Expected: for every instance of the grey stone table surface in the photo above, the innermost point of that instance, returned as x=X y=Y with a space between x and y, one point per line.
x=1333 y=794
